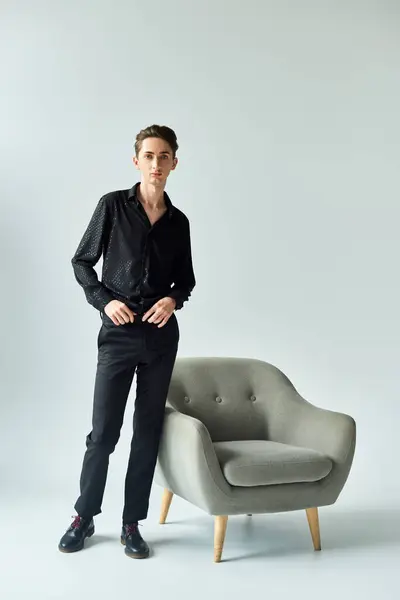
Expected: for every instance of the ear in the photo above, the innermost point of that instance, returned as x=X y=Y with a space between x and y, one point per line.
x=135 y=162
x=174 y=164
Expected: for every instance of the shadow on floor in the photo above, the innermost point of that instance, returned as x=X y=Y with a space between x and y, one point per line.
x=100 y=539
x=288 y=533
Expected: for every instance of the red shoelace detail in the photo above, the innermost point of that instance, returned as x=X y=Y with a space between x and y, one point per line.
x=76 y=522
x=131 y=528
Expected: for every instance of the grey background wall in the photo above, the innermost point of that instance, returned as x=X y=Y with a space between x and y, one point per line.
x=287 y=119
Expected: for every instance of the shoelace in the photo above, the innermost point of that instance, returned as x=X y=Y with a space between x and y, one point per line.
x=131 y=528
x=77 y=522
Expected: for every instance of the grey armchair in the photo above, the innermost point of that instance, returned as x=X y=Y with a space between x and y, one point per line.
x=239 y=439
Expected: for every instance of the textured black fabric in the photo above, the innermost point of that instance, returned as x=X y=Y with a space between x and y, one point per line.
x=141 y=263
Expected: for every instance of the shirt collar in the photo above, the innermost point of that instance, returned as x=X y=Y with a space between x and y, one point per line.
x=132 y=195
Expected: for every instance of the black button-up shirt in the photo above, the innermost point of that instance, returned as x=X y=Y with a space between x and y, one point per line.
x=141 y=263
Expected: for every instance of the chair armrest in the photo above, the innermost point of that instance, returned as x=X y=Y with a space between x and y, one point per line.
x=304 y=424
x=188 y=464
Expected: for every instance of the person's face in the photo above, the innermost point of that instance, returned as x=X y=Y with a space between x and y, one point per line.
x=155 y=161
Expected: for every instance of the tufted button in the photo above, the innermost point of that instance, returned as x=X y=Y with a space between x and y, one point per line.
x=187 y=399
x=218 y=399
x=253 y=398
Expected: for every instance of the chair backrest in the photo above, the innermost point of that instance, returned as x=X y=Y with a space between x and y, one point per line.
x=231 y=396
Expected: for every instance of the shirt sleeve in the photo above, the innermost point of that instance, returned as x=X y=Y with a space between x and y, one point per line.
x=184 y=278
x=88 y=254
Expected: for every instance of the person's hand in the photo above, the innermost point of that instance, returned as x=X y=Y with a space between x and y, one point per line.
x=119 y=313
x=161 y=311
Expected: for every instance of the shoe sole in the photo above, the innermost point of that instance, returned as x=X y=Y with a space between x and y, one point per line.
x=134 y=555
x=66 y=551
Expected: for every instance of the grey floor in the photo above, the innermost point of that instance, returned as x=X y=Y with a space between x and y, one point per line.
x=270 y=556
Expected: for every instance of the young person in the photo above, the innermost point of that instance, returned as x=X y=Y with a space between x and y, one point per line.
x=147 y=275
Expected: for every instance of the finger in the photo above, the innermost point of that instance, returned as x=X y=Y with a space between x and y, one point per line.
x=165 y=315
x=160 y=318
x=129 y=313
x=165 y=321
x=149 y=312
x=154 y=316
x=115 y=319
x=123 y=318
x=119 y=318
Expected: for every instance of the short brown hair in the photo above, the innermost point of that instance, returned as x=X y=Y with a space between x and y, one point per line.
x=157 y=131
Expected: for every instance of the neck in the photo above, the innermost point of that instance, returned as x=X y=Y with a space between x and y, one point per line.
x=151 y=196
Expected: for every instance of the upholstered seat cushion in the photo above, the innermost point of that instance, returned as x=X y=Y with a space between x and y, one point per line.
x=257 y=462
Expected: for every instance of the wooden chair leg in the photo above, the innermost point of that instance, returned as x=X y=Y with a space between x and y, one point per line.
x=313 y=522
x=165 y=504
x=219 y=536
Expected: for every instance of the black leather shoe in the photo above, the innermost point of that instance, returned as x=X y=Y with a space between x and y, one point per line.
x=135 y=546
x=73 y=539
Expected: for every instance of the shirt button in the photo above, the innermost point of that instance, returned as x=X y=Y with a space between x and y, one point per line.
x=253 y=398
x=187 y=399
x=218 y=399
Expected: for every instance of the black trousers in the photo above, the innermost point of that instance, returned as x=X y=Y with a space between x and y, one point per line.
x=123 y=349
